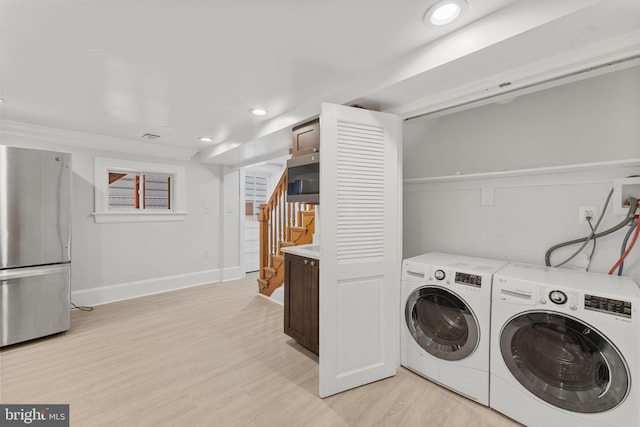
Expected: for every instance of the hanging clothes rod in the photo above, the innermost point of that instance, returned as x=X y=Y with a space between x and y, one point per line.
x=529 y=86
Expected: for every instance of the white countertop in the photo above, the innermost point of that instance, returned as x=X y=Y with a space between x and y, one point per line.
x=310 y=251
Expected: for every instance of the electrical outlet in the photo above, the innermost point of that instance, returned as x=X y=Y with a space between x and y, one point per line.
x=585 y=212
x=205 y=253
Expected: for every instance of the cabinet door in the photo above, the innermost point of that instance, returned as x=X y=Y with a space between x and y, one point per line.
x=360 y=228
x=314 y=279
x=296 y=298
x=306 y=138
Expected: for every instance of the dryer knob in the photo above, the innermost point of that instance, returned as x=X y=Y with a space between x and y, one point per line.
x=558 y=297
x=439 y=274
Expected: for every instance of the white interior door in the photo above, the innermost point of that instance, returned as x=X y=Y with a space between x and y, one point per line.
x=255 y=194
x=361 y=202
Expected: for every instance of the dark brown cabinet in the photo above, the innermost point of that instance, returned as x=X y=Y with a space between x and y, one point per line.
x=301 y=277
x=306 y=138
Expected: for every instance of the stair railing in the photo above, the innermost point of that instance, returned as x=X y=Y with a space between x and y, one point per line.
x=276 y=216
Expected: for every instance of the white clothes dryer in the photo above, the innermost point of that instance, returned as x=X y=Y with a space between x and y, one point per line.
x=445 y=327
x=565 y=347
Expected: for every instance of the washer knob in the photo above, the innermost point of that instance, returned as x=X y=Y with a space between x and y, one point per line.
x=558 y=297
x=439 y=274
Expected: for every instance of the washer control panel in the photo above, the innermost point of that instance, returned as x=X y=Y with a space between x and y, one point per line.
x=468 y=279
x=565 y=298
x=558 y=297
x=607 y=305
x=439 y=274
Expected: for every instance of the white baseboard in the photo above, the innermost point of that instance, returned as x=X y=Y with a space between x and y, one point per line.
x=124 y=291
x=233 y=273
x=278 y=295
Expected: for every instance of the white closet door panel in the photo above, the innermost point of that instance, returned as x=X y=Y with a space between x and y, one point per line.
x=360 y=191
x=360 y=268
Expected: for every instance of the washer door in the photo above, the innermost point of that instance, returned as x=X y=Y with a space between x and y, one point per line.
x=441 y=323
x=564 y=362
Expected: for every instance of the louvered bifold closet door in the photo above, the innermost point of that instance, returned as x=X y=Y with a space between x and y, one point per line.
x=360 y=214
x=360 y=191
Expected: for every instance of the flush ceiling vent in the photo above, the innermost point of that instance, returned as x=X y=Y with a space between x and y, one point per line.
x=150 y=136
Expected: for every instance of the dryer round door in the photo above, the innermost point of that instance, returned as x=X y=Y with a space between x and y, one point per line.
x=564 y=361
x=442 y=323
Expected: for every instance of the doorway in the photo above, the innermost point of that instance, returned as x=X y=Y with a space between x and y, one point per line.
x=259 y=181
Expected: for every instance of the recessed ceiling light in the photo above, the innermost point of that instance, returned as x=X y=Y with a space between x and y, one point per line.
x=445 y=12
x=258 y=111
x=206 y=139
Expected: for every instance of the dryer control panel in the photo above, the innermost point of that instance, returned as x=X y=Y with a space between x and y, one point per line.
x=607 y=305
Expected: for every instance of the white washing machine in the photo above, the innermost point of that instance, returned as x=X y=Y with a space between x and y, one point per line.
x=445 y=327
x=565 y=347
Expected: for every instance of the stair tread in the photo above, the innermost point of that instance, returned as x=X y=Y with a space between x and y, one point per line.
x=286 y=243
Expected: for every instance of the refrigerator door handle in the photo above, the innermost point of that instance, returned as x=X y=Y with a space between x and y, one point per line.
x=18 y=273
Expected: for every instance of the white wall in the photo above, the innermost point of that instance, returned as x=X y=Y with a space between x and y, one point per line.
x=231 y=232
x=124 y=260
x=518 y=217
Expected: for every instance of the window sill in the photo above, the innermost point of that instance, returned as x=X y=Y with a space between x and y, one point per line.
x=119 y=217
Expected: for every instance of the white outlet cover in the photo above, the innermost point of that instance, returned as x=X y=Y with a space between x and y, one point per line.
x=582 y=211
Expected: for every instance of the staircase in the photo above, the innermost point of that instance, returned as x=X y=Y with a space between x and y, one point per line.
x=282 y=224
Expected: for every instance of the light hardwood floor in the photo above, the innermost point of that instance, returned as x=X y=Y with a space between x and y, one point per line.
x=213 y=355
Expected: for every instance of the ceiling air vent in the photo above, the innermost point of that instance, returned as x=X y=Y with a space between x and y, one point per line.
x=150 y=136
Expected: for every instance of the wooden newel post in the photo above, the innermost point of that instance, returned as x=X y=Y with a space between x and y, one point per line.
x=264 y=239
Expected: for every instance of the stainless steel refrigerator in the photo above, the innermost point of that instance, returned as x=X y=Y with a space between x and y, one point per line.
x=35 y=243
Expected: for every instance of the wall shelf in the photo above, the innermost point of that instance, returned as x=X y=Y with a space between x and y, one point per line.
x=579 y=167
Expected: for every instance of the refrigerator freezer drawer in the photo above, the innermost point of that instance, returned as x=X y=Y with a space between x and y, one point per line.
x=34 y=302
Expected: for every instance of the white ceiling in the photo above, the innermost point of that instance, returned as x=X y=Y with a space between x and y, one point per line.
x=183 y=69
